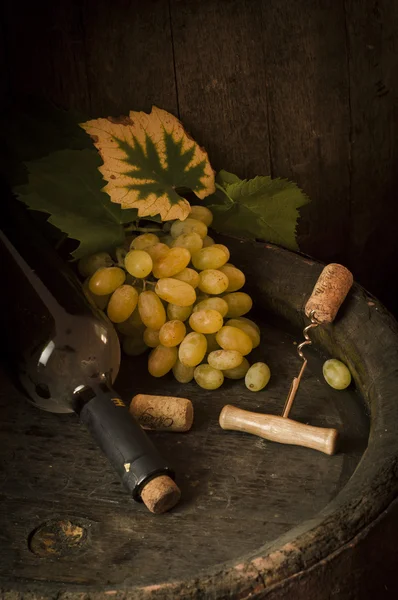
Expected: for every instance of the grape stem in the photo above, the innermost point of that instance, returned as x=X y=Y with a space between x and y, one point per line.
x=133 y=227
x=120 y=256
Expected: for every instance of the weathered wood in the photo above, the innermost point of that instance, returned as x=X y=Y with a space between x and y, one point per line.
x=265 y=86
x=307 y=82
x=271 y=511
x=358 y=571
x=300 y=89
x=233 y=485
x=4 y=79
x=129 y=56
x=45 y=52
x=373 y=67
x=221 y=81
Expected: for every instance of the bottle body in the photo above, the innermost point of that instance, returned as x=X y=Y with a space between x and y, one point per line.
x=65 y=354
x=55 y=340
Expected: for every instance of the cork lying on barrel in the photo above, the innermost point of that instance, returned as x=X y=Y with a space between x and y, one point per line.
x=162 y=413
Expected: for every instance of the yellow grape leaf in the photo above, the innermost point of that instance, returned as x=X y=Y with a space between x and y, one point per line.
x=148 y=159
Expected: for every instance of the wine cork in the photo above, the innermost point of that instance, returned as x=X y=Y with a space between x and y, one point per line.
x=329 y=293
x=162 y=413
x=160 y=494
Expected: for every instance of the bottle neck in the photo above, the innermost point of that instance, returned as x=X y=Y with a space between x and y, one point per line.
x=84 y=394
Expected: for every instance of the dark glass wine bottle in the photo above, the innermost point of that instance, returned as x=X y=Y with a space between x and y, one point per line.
x=66 y=355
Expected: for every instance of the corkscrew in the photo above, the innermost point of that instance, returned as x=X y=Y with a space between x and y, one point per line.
x=327 y=296
x=297 y=380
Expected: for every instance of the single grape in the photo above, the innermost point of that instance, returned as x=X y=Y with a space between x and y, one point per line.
x=141 y=242
x=120 y=253
x=212 y=343
x=235 y=276
x=257 y=377
x=157 y=251
x=172 y=333
x=181 y=313
x=88 y=265
x=250 y=322
x=189 y=276
x=182 y=373
x=168 y=240
x=171 y=263
x=208 y=241
x=232 y=338
x=151 y=310
x=224 y=359
x=132 y=325
x=206 y=321
x=248 y=327
x=122 y=303
x=188 y=226
x=238 y=372
x=191 y=241
x=167 y=226
x=151 y=337
x=336 y=374
x=211 y=257
x=200 y=296
x=201 y=213
x=192 y=349
x=138 y=263
x=134 y=345
x=224 y=249
x=136 y=320
x=161 y=360
x=175 y=291
x=215 y=303
x=239 y=303
x=213 y=281
x=208 y=378
x=98 y=301
x=106 y=280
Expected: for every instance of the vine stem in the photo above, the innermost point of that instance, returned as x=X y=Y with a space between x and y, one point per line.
x=220 y=187
x=132 y=227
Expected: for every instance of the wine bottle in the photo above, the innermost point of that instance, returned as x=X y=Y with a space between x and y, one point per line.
x=66 y=354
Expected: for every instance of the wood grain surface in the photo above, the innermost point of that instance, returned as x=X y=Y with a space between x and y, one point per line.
x=310 y=513
x=238 y=491
x=293 y=88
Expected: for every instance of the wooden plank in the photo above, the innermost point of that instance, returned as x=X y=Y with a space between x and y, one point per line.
x=122 y=543
x=238 y=491
x=221 y=81
x=45 y=52
x=129 y=56
x=307 y=81
x=365 y=334
x=4 y=73
x=373 y=64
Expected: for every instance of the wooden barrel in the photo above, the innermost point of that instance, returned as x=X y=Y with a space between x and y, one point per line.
x=257 y=519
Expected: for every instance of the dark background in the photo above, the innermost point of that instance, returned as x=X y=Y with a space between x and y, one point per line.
x=305 y=89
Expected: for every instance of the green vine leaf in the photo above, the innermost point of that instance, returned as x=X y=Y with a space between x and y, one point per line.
x=147 y=159
x=67 y=185
x=260 y=208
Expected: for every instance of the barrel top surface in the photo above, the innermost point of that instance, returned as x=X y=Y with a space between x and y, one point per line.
x=243 y=498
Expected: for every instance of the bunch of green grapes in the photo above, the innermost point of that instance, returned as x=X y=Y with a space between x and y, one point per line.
x=178 y=294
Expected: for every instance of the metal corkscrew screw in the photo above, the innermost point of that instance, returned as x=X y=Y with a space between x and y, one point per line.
x=296 y=381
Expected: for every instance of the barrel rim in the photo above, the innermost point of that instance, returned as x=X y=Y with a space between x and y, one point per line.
x=370 y=490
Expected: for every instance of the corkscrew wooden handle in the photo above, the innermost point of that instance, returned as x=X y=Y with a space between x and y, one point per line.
x=329 y=293
x=279 y=429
